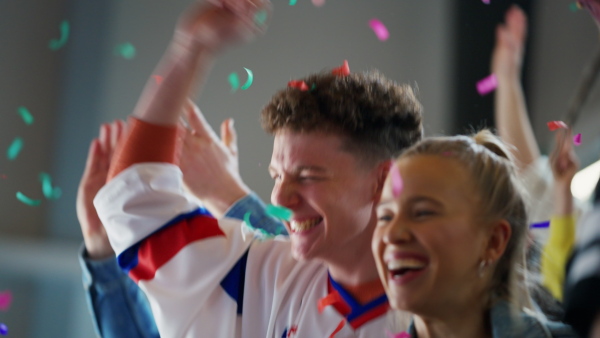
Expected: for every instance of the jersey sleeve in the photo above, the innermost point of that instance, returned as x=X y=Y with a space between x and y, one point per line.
x=190 y=265
x=556 y=252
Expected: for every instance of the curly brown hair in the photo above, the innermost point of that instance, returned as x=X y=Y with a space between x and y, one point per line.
x=378 y=117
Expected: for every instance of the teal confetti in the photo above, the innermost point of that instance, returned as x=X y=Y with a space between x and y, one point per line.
x=260 y=17
x=279 y=212
x=574 y=6
x=125 y=50
x=15 y=148
x=49 y=192
x=56 y=44
x=25 y=115
x=250 y=79
x=234 y=82
x=293 y=2
x=27 y=200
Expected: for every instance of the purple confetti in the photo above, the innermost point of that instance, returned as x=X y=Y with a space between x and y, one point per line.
x=397 y=183
x=577 y=139
x=539 y=225
x=5 y=300
x=403 y=334
x=3 y=329
x=487 y=85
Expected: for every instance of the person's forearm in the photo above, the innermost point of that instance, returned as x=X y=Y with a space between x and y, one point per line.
x=512 y=121
x=563 y=200
x=184 y=65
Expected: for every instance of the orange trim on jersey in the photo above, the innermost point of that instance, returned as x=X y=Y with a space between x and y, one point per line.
x=365 y=292
x=144 y=142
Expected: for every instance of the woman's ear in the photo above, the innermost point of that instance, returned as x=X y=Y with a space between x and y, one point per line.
x=499 y=236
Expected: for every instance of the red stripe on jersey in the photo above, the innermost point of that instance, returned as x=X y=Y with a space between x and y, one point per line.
x=160 y=247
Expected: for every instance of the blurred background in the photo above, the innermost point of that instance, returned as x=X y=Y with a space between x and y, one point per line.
x=441 y=46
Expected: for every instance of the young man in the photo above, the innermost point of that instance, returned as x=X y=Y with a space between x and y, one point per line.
x=334 y=137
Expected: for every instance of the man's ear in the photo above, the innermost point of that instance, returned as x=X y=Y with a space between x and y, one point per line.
x=499 y=236
x=382 y=170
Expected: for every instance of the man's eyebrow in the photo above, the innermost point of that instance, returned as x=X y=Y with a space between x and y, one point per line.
x=421 y=198
x=309 y=168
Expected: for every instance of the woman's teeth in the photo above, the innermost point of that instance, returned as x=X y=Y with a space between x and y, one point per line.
x=304 y=225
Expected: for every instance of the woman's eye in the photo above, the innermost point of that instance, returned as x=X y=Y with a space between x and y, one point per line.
x=424 y=213
x=385 y=218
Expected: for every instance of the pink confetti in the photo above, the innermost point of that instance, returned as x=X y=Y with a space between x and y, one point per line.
x=5 y=300
x=318 y=3
x=403 y=334
x=487 y=85
x=379 y=28
x=554 y=125
x=397 y=183
x=577 y=139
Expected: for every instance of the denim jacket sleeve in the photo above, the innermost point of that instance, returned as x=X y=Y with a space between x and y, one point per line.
x=119 y=308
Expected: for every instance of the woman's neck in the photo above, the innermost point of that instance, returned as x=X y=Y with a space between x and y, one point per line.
x=465 y=322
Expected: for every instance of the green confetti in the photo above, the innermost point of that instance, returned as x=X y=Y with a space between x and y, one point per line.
x=279 y=212
x=49 y=192
x=56 y=44
x=250 y=79
x=234 y=82
x=21 y=197
x=15 y=148
x=574 y=6
x=125 y=50
x=293 y=2
x=25 y=115
x=260 y=17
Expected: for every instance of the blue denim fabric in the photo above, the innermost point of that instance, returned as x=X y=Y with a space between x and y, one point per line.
x=508 y=324
x=119 y=308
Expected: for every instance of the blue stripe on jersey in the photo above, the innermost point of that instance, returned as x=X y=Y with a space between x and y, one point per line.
x=357 y=309
x=128 y=259
x=235 y=281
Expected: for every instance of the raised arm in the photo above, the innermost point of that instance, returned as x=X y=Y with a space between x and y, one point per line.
x=510 y=109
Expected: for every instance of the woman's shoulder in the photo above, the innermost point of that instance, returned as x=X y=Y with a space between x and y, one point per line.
x=506 y=322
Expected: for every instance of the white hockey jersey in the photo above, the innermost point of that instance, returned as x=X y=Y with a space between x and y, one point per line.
x=203 y=278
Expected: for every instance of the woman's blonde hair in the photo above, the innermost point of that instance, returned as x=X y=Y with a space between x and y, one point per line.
x=493 y=173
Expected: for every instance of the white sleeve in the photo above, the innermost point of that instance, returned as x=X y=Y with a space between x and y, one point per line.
x=178 y=254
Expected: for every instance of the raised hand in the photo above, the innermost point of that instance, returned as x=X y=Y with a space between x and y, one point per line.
x=564 y=163
x=215 y=24
x=209 y=164
x=94 y=178
x=507 y=56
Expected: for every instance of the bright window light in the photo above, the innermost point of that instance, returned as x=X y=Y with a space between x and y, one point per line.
x=585 y=180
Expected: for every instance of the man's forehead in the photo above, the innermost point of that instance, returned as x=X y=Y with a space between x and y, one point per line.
x=307 y=149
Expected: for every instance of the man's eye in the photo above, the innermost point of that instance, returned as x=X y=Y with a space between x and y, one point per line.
x=424 y=213
x=385 y=218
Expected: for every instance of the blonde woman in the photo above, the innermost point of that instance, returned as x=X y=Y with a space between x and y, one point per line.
x=449 y=241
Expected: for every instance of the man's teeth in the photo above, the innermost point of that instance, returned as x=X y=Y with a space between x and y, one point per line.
x=304 y=225
x=405 y=263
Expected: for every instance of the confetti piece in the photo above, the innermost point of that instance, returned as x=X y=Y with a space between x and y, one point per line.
x=279 y=212
x=487 y=85
x=260 y=17
x=574 y=6
x=249 y=81
x=397 y=335
x=56 y=44
x=5 y=300
x=397 y=183
x=293 y=2
x=3 y=329
x=126 y=50
x=577 y=139
x=158 y=79
x=343 y=70
x=25 y=115
x=544 y=224
x=234 y=82
x=49 y=192
x=380 y=30
x=487 y=2
x=318 y=3
x=15 y=148
x=298 y=84
x=27 y=200
x=554 y=125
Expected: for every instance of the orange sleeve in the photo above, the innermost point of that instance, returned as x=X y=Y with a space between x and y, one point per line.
x=145 y=142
